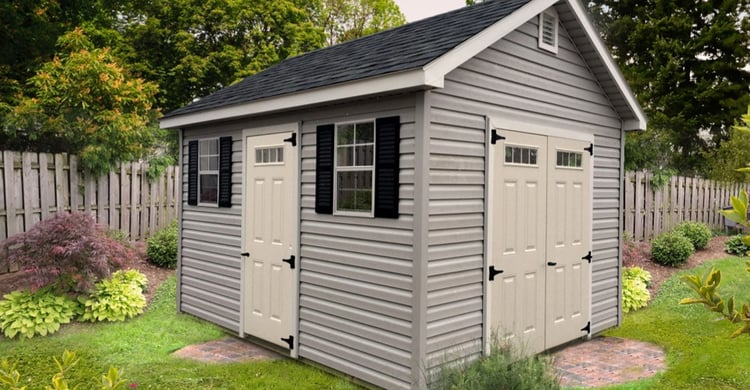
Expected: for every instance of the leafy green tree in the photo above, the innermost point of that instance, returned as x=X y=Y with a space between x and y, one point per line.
x=344 y=20
x=83 y=102
x=686 y=62
x=735 y=152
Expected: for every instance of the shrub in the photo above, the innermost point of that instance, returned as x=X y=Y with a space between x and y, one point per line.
x=697 y=232
x=116 y=299
x=161 y=248
x=635 y=295
x=671 y=249
x=735 y=246
x=70 y=251
x=29 y=314
x=503 y=368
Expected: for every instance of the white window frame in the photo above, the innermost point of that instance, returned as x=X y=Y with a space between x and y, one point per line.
x=356 y=168
x=575 y=168
x=202 y=171
x=550 y=13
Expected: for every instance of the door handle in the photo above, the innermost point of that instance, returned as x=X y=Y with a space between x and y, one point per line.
x=551 y=263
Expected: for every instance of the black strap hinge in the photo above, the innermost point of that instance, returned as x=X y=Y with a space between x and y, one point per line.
x=495 y=137
x=289 y=340
x=292 y=139
x=245 y=254
x=590 y=149
x=587 y=257
x=290 y=260
x=494 y=272
x=587 y=328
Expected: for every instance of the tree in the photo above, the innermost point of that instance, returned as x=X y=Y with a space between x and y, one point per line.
x=84 y=103
x=685 y=61
x=344 y=20
x=735 y=152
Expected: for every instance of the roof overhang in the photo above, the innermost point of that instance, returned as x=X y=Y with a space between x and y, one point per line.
x=431 y=75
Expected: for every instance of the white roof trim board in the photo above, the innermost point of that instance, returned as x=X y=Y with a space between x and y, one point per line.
x=429 y=76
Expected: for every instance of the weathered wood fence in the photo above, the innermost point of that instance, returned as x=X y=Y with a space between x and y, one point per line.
x=649 y=211
x=35 y=186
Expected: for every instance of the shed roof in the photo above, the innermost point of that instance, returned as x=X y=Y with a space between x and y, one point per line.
x=413 y=56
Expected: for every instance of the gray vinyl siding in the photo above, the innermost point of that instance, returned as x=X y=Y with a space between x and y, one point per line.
x=517 y=80
x=209 y=274
x=355 y=312
x=456 y=233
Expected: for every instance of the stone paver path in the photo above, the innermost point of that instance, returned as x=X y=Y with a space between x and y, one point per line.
x=226 y=350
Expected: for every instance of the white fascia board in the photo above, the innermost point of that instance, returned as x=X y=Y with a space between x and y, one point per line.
x=410 y=79
x=640 y=121
x=437 y=69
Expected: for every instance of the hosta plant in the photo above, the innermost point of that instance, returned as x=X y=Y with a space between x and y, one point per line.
x=635 y=295
x=27 y=314
x=116 y=299
x=736 y=246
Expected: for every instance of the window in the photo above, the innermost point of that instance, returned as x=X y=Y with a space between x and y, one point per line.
x=269 y=155
x=355 y=152
x=208 y=171
x=569 y=159
x=520 y=155
x=548 y=22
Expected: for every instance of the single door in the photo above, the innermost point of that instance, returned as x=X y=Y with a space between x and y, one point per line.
x=541 y=238
x=519 y=214
x=270 y=215
x=568 y=240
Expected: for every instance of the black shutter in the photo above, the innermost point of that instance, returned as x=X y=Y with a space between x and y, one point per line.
x=225 y=172
x=193 y=173
x=387 y=138
x=324 y=170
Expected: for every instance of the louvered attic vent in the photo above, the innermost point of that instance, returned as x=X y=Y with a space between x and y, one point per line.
x=548 y=30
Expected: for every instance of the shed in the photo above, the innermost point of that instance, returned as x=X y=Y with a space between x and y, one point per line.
x=385 y=205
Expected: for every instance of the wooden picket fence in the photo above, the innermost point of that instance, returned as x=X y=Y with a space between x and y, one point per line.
x=35 y=186
x=649 y=211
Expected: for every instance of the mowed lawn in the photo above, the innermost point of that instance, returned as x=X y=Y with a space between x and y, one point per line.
x=700 y=352
x=142 y=348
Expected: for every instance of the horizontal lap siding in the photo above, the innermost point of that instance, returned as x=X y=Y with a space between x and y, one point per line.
x=355 y=273
x=456 y=234
x=514 y=80
x=211 y=244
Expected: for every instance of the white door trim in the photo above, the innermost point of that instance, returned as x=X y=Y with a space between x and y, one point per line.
x=290 y=128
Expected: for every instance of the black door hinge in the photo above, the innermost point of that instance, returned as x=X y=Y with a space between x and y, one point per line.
x=289 y=340
x=587 y=328
x=290 y=260
x=245 y=254
x=590 y=149
x=587 y=257
x=494 y=272
x=292 y=139
x=495 y=137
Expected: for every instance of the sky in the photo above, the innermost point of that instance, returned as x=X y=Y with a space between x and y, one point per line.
x=420 y=9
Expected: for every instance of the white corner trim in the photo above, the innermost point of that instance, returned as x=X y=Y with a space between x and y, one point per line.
x=614 y=71
x=414 y=78
x=437 y=69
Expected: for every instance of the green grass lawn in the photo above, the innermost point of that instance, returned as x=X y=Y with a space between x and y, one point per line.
x=142 y=348
x=700 y=353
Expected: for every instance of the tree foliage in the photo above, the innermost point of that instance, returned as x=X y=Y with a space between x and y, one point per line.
x=344 y=20
x=84 y=102
x=733 y=153
x=684 y=60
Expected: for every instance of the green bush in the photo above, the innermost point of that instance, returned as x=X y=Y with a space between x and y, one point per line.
x=635 y=295
x=161 y=248
x=697 y=232
x=35 y=313
x=671 y=249
x=116 y=299
x=735 y=246
x=503 y=368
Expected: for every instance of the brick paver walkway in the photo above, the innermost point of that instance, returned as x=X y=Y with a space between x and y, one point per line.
x=605 y=361
x=601 y=361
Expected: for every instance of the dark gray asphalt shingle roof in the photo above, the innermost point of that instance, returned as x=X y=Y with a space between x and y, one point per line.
x=410 y=46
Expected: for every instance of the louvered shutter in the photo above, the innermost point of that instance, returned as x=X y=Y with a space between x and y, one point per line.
x=387 y=138
x=193 y=173
x=324 y=170
x=225 y=172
